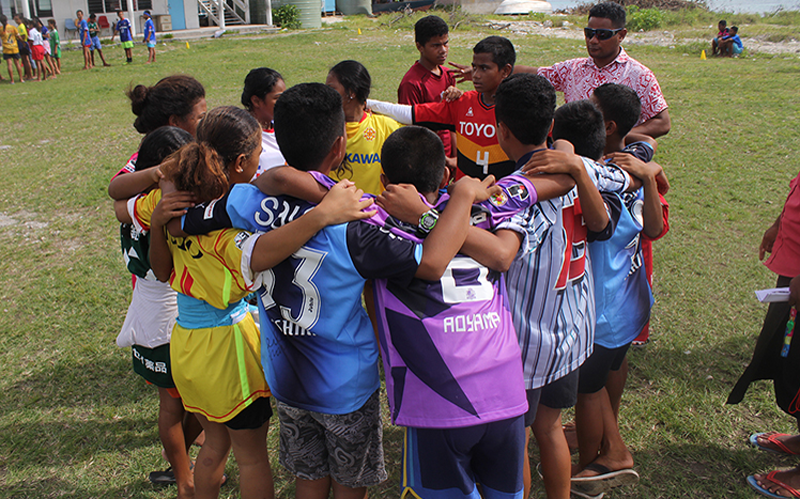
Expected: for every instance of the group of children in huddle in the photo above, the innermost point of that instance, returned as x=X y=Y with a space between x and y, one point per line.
x=498 y=295
x=31 y=46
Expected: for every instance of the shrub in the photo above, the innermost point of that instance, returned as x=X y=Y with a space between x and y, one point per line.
x=643 y=19
x=287 y=16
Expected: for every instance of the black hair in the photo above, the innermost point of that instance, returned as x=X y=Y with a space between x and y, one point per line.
x=259 y=82
x=735 y=29
x=428 y=27
x=308 y=120
x=414 y=155
x=174 y=95
x=201 y=167
x=723 y=22
x=501 y=49
x=159 y=144
x=620 y=104
x=581 y=123
x=609 y=10
x=525 y=103
x=354 y=77
x=92 y=16
x=3 y=21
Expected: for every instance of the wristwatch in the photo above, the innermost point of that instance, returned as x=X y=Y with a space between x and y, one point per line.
x=427 y=222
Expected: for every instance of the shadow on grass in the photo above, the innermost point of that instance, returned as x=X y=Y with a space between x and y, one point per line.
x=69 y=412
x=56 y=487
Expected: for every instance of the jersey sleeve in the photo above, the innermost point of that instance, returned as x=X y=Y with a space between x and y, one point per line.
x=640 y=150
x=614 y=208
x=228 y=248
x=141 y=209
x=518 y=193
x=207 y=217
x=606 y=176
x=664 y=218
x=435 y=115
x=653 y=101
x=376 y=253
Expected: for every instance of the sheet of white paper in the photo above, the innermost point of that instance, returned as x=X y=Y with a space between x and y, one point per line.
x=772 y=295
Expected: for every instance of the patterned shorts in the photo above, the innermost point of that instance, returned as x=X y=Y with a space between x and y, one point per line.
x=348 y=447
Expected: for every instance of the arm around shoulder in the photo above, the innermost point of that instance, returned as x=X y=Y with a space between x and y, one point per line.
x=656 y=126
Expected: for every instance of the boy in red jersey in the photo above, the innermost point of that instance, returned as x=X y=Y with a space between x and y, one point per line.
x=471 y=116
x=427 y=80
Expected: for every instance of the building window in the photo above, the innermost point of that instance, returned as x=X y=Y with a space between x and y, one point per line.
x=44 y=8
x=111 y=6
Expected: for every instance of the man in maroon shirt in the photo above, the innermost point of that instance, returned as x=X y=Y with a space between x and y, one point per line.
x=427 y=78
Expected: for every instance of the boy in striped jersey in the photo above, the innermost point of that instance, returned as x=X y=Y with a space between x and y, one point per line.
x=550 y=288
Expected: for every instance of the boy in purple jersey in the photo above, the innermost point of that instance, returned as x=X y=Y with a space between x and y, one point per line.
x=452 y=362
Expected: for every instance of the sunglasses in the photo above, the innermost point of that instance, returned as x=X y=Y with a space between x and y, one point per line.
x=601 y=34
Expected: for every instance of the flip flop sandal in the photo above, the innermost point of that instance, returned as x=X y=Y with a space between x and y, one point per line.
x=773 y=439
x=574 y=494
x=166 y=477
x=753 y=483
x=605 y=480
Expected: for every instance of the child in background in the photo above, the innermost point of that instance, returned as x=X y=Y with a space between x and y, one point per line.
x=262 y=87
x=723 y=32
x=10 y=37
x=94 y=30
x=471 y=115
x=731 y=45
x=55 y=45
x=24 y=47
x=48 y=59
x=150 y=37
x=37 y=52
x=151 y=317
x=428 y=79
x=85 y=39
x=365 y=130
x=123 y=27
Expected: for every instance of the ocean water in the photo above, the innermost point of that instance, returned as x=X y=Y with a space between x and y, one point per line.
x=717 y=5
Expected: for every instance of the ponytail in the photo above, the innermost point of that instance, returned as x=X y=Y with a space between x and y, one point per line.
x=197 y=168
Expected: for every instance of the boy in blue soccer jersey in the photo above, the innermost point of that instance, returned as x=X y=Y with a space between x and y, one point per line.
x=150 y=37
x=318 y=348
x=86 y=40
x=123 y=27
x=622 y=293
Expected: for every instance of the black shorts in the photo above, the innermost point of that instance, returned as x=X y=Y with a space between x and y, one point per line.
x=560 y=394
x=253 y=417
x=24 y=49
x=11 y=56
x=593 y=373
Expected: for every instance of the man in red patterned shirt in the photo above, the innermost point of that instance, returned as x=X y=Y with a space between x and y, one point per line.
x=607 y=63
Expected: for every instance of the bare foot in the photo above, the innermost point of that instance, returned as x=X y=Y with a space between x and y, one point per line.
x=790 y=478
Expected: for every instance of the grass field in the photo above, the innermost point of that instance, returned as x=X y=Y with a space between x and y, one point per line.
x=75 y=422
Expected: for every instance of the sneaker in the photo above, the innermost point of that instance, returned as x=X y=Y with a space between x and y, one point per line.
x=166 y=477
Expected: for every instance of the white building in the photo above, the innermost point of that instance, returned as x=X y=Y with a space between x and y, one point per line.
x=168 y=15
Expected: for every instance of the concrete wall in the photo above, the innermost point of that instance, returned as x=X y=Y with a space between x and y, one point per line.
x=63 y=9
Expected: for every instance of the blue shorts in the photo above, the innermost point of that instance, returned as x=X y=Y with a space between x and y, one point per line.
x=151 y=45
x=95 y=43
x=737 y=49
x=448 y=463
